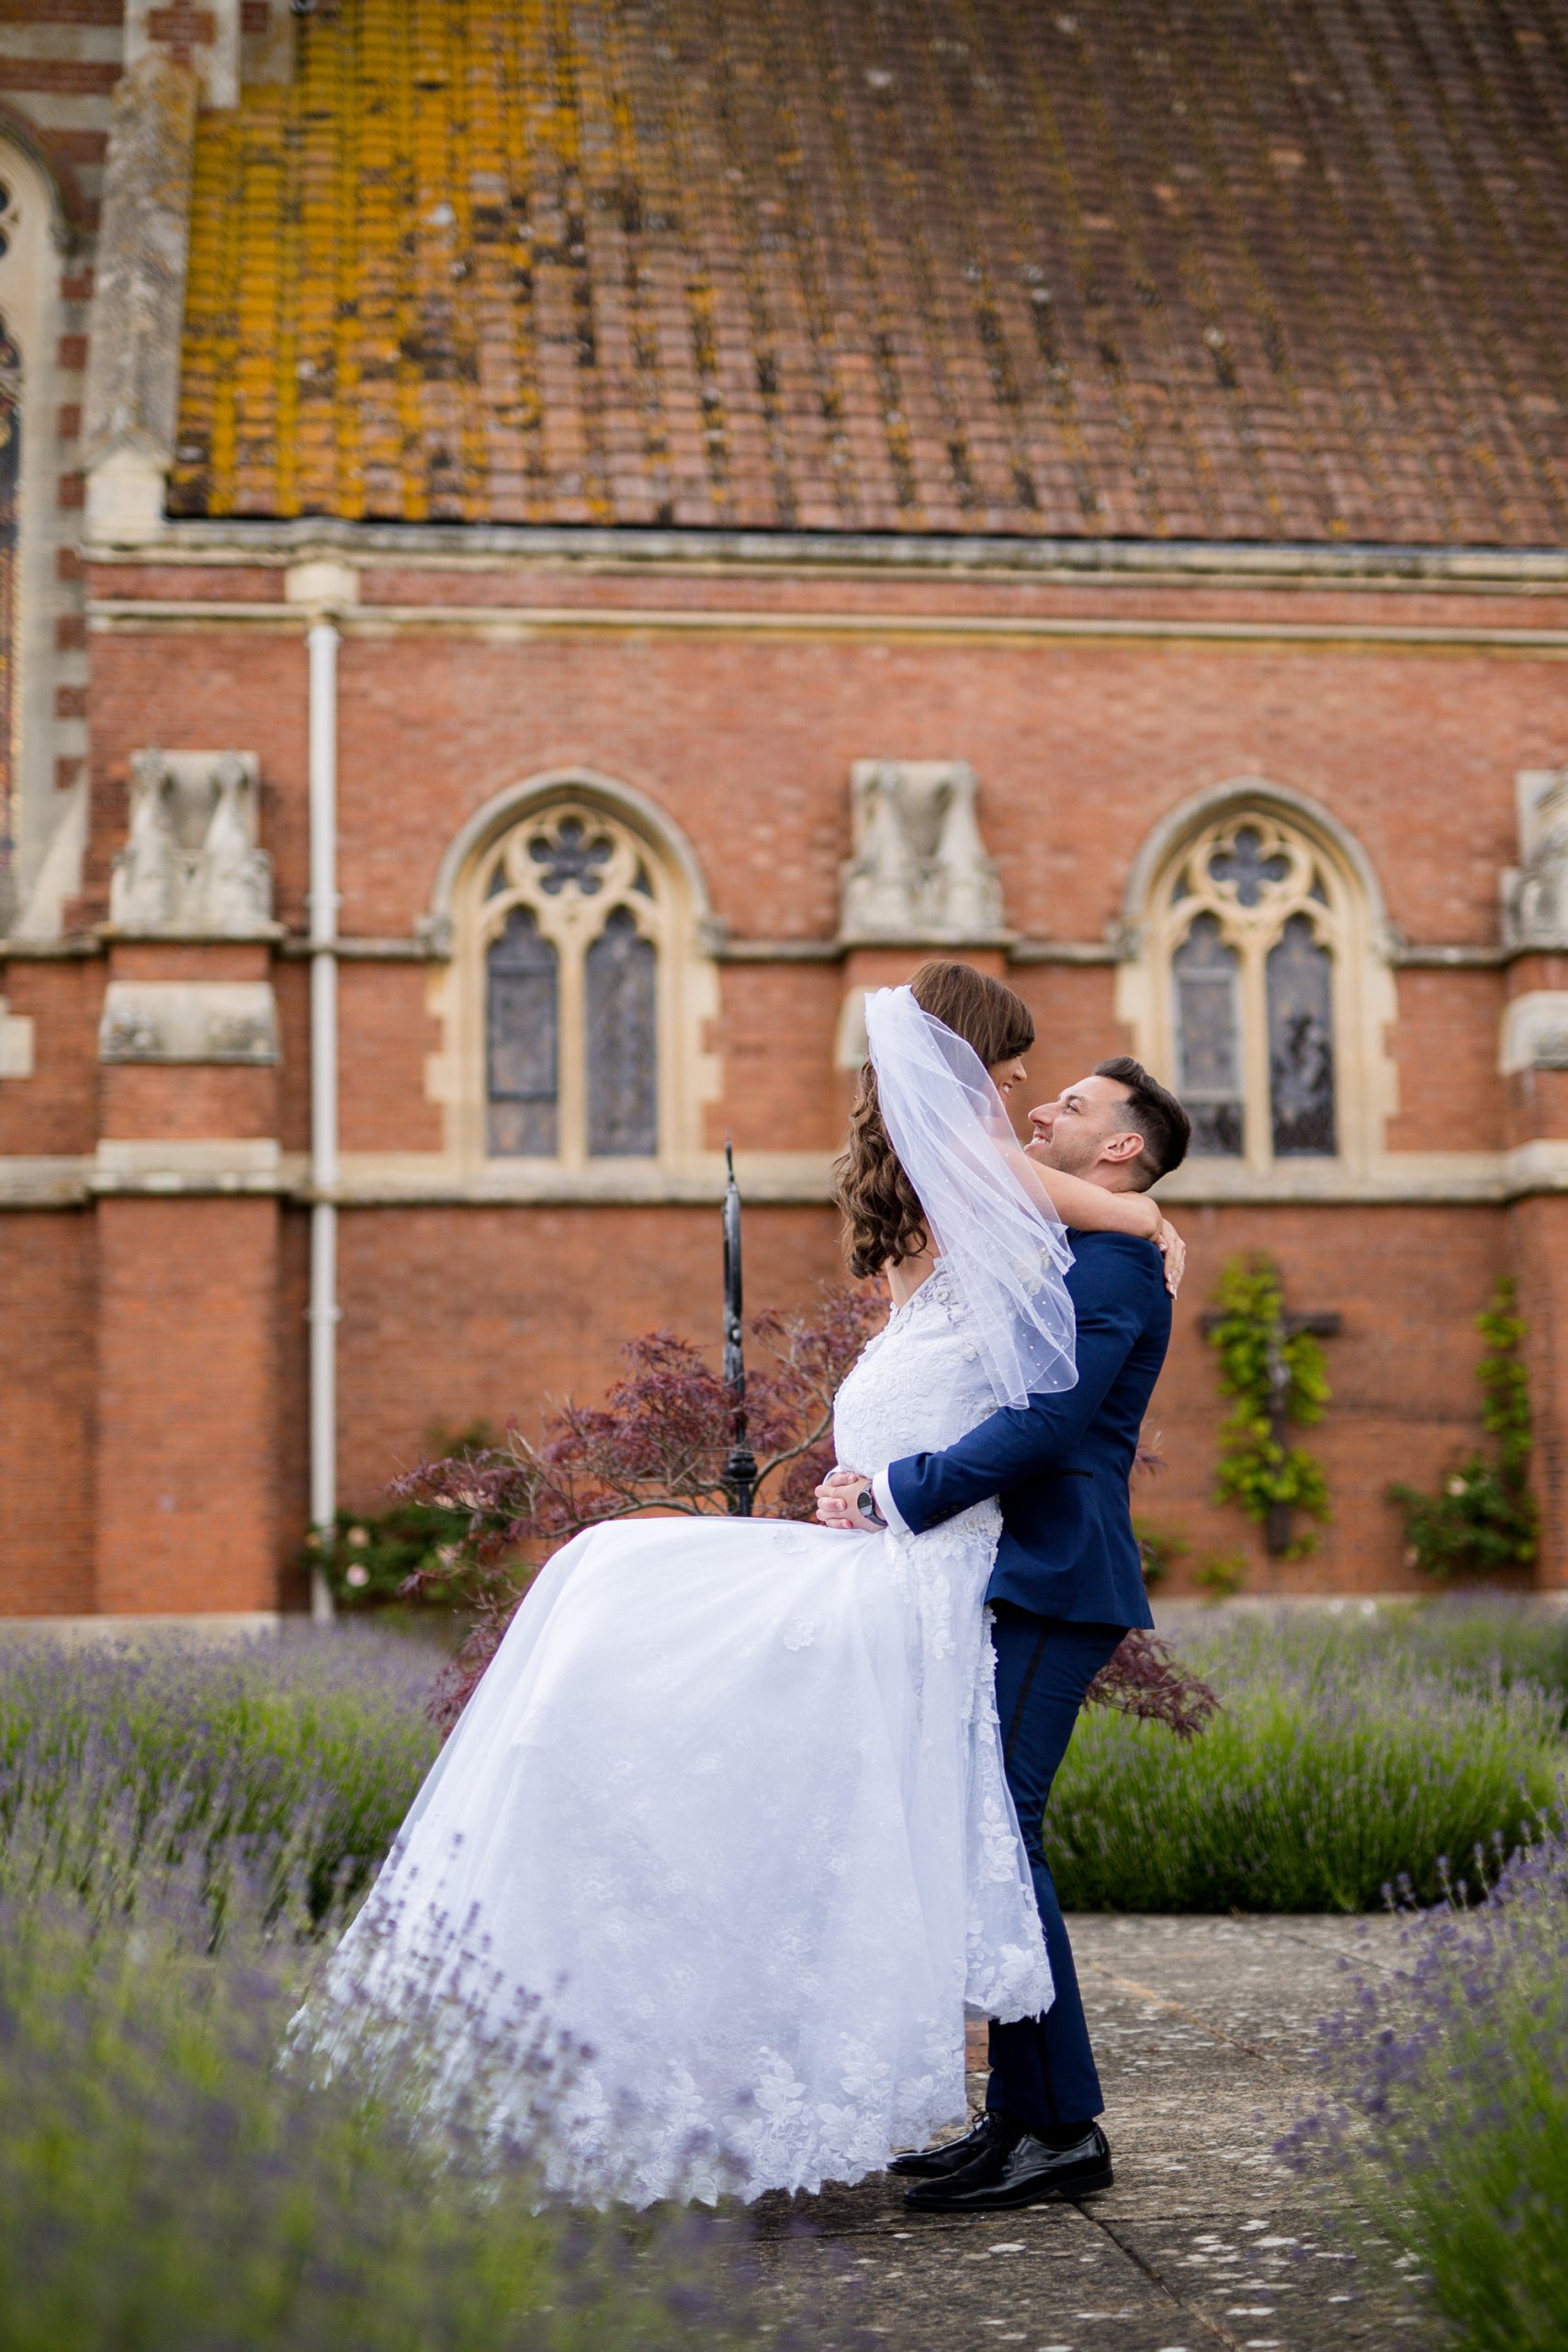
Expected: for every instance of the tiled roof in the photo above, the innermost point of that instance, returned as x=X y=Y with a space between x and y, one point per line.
x=1221 y=269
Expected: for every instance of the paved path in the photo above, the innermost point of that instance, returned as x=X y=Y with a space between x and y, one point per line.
x=1204 y=2030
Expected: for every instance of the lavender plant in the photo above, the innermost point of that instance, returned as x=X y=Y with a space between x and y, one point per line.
x=1450 y=2119
x=299 y=1754
x=169 y=2184
x=1333 y=1768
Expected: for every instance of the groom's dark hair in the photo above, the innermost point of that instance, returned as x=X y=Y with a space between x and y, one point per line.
x=1159 y=1118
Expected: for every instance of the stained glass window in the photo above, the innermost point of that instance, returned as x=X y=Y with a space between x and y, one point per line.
x=623 y=1044
x=1301 y=1042
x=521 y=1018
x=585 y=983
x=1208 y=1038
x=1252 y=926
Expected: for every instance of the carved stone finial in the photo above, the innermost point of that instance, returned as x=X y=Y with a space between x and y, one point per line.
x=231 y=880
x=1534 y=892
x=144 y=887
x=919 y=871
x=190 y=866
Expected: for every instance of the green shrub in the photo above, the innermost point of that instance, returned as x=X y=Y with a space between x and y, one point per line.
x=1220 y=1575
x=1332 y=1770
x=1159 y=1549
x=369 y=1557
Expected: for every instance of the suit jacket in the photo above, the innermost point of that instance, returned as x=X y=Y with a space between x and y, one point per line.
x=1061 y=1463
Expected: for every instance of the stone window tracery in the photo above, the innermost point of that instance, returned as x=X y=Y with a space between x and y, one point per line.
x=1251 y=928
x=575 y=923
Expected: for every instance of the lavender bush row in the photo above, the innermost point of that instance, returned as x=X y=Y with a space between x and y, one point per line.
x=1349 y=1750
x=1451 y=2126
x=293 y=1758
x=1480 y=1643
x=1331 y=1769
x=169 y=2183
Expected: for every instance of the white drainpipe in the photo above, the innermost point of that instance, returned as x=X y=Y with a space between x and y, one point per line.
x=323 y=642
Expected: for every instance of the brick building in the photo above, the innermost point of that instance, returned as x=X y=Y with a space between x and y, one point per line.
x=544 y=549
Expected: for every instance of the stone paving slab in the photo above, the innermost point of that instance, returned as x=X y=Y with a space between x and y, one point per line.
x=1205 y=2030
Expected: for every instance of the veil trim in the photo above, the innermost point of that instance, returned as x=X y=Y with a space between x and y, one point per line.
x=990 y=1219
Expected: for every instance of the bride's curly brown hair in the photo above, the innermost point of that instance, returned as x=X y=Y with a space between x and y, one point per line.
x=882 y=1223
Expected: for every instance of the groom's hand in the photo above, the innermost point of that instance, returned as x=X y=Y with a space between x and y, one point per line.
x=838 y=1503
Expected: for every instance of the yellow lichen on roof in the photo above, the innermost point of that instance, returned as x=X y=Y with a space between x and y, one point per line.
x=927 y=265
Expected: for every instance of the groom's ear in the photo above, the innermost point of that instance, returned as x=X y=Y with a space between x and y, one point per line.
x=1122 y=1147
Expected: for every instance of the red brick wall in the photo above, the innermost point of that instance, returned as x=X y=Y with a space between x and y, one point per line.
x=55 y=1110
x=1408 y=1282
x=775 y=1033
x=187 y=1400
x=387 y=1037
x=747 y=744
x=451 y=1313
x=1445 y=1049
x=187 y=1102
x=1540 y=1261
x=46 y=1469
x=456 y=1315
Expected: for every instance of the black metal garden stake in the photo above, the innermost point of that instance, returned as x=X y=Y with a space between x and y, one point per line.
x=740 y=1468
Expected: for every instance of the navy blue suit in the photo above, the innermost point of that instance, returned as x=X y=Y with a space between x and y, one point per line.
x=1066 y=1587
x=1061 y=1463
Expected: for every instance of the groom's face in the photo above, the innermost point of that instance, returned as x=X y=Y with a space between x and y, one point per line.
x=1072 y=1131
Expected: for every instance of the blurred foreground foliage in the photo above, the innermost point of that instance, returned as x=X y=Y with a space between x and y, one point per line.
x=182 y=1828
x=1448 y=2116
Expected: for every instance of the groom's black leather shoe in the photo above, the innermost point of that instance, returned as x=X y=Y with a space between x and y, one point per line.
x=1017 y=2168
x=936 y=2164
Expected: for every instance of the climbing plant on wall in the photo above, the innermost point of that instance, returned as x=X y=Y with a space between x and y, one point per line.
x=1275 y=1370
x=1482 y=1517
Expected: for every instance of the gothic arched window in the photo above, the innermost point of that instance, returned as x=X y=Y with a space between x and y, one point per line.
x=574 y=922
x=1250 y=928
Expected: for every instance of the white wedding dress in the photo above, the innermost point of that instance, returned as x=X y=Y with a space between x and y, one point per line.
x=729 y=1800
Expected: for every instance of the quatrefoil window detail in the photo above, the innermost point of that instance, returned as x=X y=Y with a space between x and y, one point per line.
x=572 y=856
x=1245 y=869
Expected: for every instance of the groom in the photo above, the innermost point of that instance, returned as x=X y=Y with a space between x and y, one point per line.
x=1066 y=1586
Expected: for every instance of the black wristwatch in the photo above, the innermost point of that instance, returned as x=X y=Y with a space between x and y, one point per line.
x=865 y=1503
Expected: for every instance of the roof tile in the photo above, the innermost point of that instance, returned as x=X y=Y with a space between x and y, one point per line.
x=1192 y=268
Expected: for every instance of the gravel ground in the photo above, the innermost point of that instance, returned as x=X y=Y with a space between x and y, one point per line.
x=1204 y=2030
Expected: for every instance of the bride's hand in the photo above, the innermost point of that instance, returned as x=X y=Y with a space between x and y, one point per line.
x=1173 y=1250
x=836 y=1505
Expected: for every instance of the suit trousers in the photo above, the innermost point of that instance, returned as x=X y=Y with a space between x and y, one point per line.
x=1042 y=2071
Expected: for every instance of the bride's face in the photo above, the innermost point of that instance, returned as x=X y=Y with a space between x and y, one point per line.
x=1006 y=1075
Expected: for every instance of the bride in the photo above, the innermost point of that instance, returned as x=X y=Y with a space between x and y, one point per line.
x=729 y=1800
